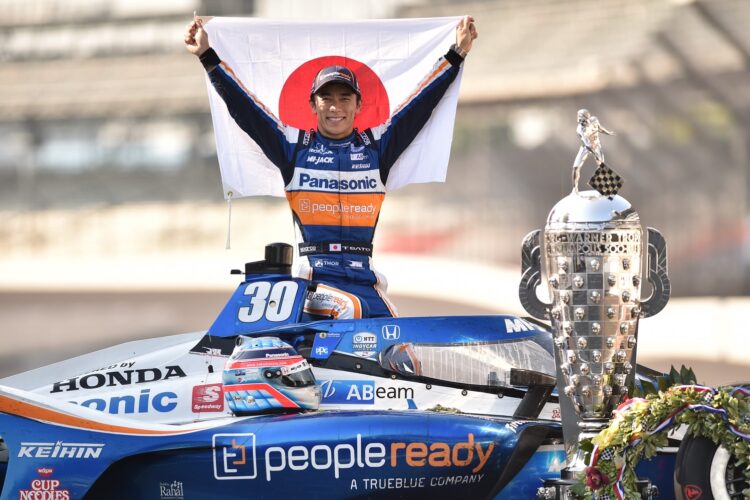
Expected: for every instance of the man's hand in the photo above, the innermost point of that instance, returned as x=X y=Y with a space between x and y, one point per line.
x=196 y=38
x=466 y=33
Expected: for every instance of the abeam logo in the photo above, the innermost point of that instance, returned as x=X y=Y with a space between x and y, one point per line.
x=60 y=450
x=360 y=392
x=234 y=456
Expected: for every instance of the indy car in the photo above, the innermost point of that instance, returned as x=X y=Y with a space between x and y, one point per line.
x=266 y=405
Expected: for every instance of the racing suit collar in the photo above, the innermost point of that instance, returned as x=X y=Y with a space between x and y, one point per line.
x=351 y=138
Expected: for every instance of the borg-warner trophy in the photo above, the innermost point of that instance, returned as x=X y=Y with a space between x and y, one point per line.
x=592 y=250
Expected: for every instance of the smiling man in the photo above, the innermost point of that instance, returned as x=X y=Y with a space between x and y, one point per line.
x=335 y=176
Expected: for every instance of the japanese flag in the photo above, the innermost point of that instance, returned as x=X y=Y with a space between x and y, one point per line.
x=277 y=60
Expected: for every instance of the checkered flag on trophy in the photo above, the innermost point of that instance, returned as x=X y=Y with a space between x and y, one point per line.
x=606 y=181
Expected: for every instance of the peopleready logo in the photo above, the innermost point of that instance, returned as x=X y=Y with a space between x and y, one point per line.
x=235 y=456
x=306 y=206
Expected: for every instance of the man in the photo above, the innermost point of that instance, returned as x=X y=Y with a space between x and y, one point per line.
x=335 y=176
x=588 y=130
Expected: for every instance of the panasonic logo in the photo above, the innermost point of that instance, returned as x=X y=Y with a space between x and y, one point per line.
x=60 y=450
x=306 y=180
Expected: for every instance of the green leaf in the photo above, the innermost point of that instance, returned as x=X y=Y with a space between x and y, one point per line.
x=658 y=405
x=664 y=383
x=684 y=374
x=579 y=490
x=674 y=376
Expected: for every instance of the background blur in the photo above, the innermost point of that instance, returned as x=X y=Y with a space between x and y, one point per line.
x=113 y=226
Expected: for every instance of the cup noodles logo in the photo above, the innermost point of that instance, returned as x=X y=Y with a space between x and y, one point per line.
x=44 y=489
x=209 y=397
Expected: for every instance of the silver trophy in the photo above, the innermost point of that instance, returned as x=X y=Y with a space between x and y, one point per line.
x=591 y=252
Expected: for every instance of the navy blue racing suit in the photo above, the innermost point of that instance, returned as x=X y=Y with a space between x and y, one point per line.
x=335 y=188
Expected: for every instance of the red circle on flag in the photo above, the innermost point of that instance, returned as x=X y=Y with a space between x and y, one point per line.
x=294 y=102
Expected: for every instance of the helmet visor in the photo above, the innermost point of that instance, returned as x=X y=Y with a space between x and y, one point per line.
x=304 y=378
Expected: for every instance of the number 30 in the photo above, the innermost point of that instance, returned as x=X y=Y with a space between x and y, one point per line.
x=275 y=302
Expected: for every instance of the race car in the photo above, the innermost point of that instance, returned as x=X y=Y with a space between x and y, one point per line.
x=264 y=405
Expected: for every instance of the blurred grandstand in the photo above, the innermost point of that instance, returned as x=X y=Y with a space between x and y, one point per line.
x=102 y=108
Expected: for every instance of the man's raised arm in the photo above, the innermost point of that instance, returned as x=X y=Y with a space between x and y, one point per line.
x=275 y=139
x=409 y=118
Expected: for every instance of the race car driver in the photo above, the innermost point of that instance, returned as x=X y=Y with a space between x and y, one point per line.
x=335 y=176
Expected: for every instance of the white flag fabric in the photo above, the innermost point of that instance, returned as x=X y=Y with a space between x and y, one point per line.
x=264 y=54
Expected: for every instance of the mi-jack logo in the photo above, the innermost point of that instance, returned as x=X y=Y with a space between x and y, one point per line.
x=234 y=456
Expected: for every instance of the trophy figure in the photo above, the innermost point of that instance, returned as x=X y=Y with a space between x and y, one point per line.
x=588 y=130
x=590 y=256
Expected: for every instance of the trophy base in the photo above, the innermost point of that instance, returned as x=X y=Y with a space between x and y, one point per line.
x=574 y=472
x=561 y=489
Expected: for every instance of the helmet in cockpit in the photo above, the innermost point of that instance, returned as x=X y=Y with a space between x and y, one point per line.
x=266 y=375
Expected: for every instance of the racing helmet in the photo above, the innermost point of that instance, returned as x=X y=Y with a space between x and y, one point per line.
x=266 y=375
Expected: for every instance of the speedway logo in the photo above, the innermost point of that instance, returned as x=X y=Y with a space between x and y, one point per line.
x=234 y=456
x=60 y=450
x=208 y=397
x=360 y=392
x=118 y=377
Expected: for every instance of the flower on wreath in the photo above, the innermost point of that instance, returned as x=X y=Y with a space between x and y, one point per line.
x=595 y=479
x=631 y=433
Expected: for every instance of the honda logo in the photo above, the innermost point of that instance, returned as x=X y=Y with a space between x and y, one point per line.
x=391 y=332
